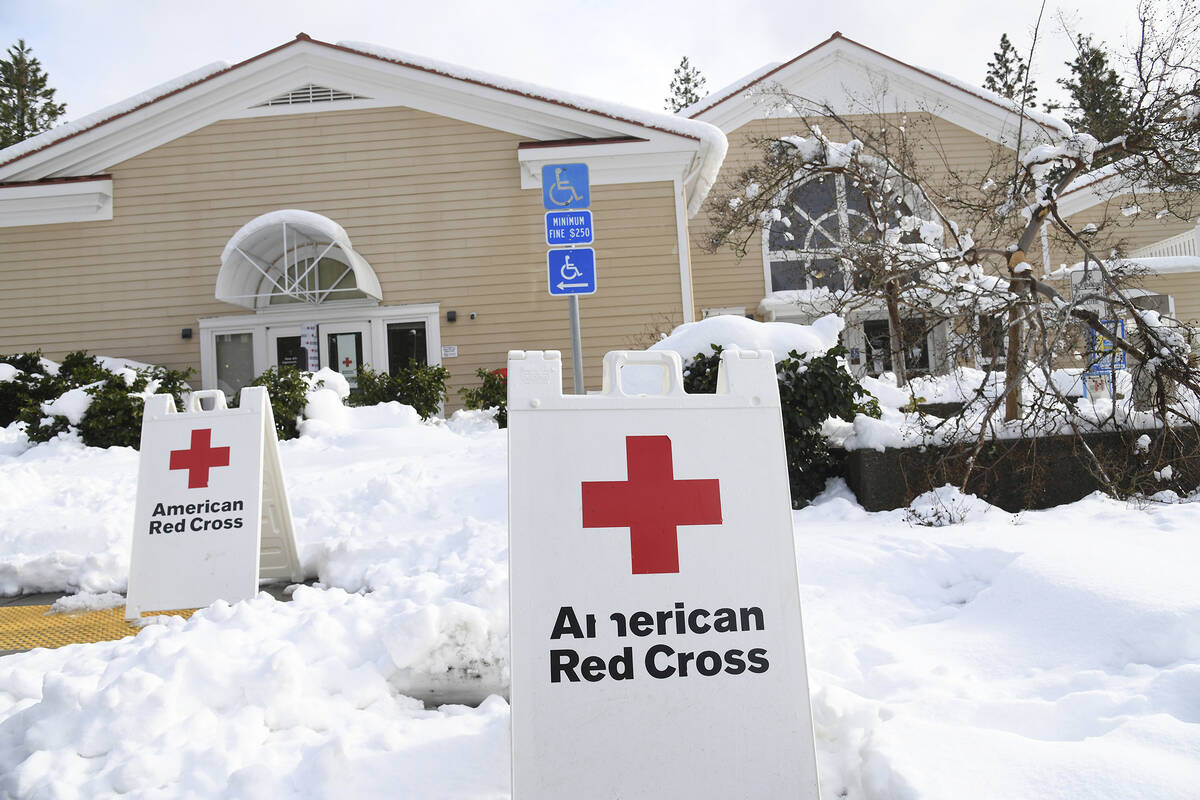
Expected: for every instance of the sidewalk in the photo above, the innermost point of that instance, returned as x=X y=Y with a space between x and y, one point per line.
x=25 y=623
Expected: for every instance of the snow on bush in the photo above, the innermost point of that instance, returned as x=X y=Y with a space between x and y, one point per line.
x=733 y=332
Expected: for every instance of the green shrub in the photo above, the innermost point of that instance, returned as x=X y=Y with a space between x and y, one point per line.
x=288 y=388
x=114 y=417
x=492 y=394
x=418 y=385
x=29 y=388
x=809 y=393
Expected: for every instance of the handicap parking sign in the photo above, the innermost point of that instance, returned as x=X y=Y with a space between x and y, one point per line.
x=565 y=186
x=572 y=271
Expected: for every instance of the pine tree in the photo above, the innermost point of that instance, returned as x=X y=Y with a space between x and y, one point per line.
x=686 y=87
x=1099 y=100
x=1007 y=72
x=27 y=104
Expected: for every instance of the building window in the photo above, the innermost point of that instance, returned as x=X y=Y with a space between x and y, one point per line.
x=821 y=216
x=879 y=347
x=405 y=343
x=302 y=282
x=235 y=361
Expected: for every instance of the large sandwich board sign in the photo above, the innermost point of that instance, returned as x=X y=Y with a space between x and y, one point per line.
x=212 y=514
x=657 y=648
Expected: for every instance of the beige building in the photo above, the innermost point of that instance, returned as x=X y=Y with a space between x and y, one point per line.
x=386 y=206
x=372 y=206
x=957 y=134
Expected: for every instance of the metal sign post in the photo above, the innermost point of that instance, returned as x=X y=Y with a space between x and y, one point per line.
x=571 y=270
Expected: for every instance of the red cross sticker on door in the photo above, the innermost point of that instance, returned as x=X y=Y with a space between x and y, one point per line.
x=200 y=458
x=346 y=361
x=652 y=504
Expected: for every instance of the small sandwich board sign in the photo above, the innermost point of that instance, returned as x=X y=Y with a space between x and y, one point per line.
x=657 y=648
x=212 y=514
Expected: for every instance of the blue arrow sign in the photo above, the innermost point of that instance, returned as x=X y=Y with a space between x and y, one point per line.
x=565 y=186
x=569 y=227
x=572 y=271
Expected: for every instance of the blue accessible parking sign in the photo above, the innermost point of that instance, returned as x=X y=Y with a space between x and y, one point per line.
x=565 y=186
x=572 y=271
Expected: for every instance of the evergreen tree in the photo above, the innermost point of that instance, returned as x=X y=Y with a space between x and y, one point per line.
x=686 y=87
x=1099 y=100
x=1007 y=73
x=27 y=104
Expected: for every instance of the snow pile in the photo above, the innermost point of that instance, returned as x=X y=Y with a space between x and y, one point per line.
x=729 y=331
x=954 y=650
x=244 y=701
x=86 y=601
x=945 y=662
x=72 y=404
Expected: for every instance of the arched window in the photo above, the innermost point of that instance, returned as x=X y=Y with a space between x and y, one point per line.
x=292 y=256
x=821 y=215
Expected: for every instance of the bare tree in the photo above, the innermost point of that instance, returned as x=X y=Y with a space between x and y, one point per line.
x=950 y=245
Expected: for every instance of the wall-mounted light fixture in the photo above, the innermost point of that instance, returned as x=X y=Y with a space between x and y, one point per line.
x=451 y=316
x=186 y=333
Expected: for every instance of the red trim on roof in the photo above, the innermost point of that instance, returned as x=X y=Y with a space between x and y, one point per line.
x=49 y=181
x=304 y=37
x=840 y=35
x=581 y=141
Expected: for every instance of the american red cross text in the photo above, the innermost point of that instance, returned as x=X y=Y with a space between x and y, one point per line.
x=200 y=458
x=651 y=504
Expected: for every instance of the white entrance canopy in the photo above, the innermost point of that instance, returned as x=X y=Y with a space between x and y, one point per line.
x=278 y=253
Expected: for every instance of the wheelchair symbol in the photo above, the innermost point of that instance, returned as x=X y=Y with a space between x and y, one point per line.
x=562 y=188
x=568 y=270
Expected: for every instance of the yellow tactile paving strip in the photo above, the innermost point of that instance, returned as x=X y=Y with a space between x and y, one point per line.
x=27 y=627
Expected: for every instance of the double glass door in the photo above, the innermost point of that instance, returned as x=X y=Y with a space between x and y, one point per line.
x=342 y=348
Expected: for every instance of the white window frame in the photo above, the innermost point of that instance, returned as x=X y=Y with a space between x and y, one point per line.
x=376 y=318
x=843 y=215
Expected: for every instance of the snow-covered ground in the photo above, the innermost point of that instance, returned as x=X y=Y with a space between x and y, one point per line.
x=1048 y=654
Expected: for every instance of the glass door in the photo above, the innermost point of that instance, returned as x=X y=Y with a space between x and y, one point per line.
x=345 y=348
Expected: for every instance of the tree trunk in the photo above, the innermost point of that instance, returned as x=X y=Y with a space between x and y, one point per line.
x=896 y=334
x=1016 y=331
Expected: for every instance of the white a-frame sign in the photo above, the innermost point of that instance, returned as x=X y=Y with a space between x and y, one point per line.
x=212 y=514
x=657 y=646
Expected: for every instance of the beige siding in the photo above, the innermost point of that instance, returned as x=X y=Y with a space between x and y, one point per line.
x=1116 y=230
x=433 y=204
x=722 y=279
x=1184 y=287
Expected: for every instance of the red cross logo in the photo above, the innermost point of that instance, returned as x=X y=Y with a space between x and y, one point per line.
x=200 y=458
x=346 y=361
x=652 y=504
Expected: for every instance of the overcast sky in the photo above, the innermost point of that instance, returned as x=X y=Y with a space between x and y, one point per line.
x=100 y=51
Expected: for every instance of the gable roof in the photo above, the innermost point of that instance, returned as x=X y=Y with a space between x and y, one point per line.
x=836 y=69
x=377 y=77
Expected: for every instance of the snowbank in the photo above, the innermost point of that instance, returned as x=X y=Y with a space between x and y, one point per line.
x=954 y=650
x=731 y=331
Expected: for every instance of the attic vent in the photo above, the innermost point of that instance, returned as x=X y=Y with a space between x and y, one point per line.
x=310 y=94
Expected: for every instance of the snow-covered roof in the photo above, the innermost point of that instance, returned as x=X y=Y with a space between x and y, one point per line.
x=712 y=98
x=89 y=121
x=1158 y=265
x=816 y=78
x=219 y=91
